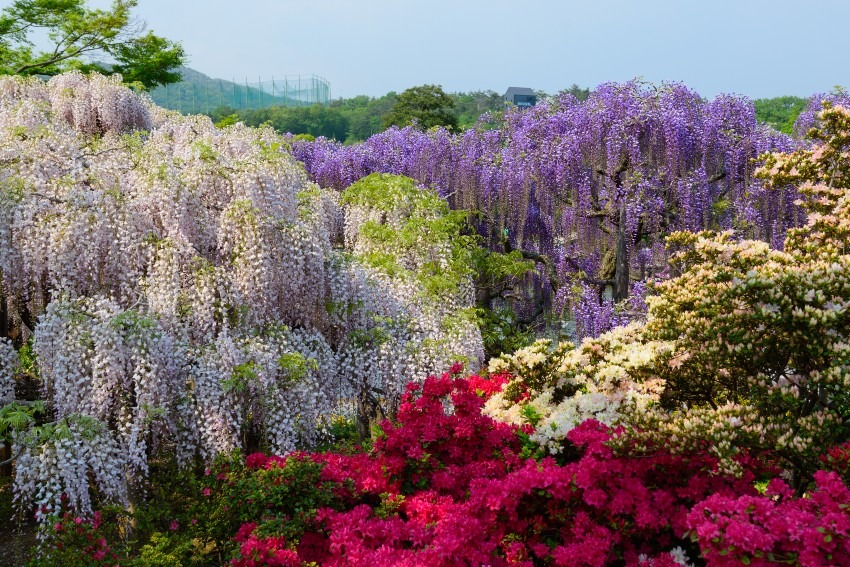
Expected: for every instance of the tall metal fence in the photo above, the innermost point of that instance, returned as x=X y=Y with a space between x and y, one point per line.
x=204 y=94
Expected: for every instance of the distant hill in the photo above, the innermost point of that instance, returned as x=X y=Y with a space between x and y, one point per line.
x=199 y=93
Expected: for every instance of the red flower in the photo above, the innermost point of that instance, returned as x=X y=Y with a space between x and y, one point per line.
x=256 y=461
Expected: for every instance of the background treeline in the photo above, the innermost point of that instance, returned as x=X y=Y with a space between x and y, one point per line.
x=352 y=119
x=355 y=119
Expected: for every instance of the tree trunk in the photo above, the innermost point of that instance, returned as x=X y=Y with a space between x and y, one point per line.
x=369 y=414
x=621 y=264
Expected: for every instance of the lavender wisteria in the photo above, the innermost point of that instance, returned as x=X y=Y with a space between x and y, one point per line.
x=589 y=188
x=186 y=291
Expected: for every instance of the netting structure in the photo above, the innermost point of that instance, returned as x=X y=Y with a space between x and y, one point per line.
x=206 y=94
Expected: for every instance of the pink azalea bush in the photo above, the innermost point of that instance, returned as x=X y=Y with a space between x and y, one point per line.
x=777 y=528
x=446 y=485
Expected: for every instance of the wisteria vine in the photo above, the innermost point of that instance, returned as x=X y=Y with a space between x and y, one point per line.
x=589 y=189
x=185 y=291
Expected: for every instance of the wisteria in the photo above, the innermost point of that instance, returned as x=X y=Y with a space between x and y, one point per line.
x=176 y=296
x=595 y=185
x=808 y=119
x=187 y=291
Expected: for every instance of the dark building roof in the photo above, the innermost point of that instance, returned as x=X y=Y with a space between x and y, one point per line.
x=522 y=91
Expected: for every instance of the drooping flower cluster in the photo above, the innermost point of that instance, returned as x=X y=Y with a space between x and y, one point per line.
x=595 y=185
x=8 y=366
x=58 y=462
x=187 y=287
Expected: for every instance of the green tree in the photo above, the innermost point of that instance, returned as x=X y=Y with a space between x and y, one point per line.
x=77 y=34
x=780 y=112
x=366 y=115
x=315 y=120
x=426 y=105
x=578 y=92
x=470 y=106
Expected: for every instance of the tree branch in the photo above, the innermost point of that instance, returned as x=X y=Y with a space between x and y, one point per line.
x=717 y=176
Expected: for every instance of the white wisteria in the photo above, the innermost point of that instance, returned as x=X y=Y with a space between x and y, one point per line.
x=185 y=288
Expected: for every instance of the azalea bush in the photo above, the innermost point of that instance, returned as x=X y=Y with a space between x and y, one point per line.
x=777 y=528
x=446 y=484
x=85 y=541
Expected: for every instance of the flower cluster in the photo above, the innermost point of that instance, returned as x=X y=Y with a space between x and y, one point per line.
x=8 y=366
x=82 y=540
x=257 y=551
x=595 y=186
x=776 y=528
x=188 y=287
x=57 y=463
x=597 y=380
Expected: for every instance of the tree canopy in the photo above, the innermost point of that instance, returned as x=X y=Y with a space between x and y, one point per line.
x=779 y=112
x=426 y=105
x=80 y=38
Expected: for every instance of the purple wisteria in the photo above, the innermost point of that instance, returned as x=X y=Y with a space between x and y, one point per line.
x=593 y=186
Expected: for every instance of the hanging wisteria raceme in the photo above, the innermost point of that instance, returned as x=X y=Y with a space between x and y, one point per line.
x=57 y=463
x=186 y=289
x=8 y=366
x=592 y=185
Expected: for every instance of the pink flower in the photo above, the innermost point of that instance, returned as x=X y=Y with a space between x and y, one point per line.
x=174 y=526
x=207 y=492
x=256 y=461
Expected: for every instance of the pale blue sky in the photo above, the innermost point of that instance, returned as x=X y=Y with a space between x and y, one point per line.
x=759 y=48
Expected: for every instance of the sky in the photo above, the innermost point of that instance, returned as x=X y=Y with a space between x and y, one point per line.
x=760 y=48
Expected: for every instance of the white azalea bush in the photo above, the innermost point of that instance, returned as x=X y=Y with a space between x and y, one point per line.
x=568 y=385
x=187 y=290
